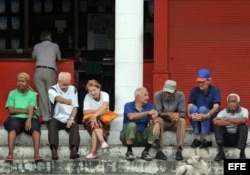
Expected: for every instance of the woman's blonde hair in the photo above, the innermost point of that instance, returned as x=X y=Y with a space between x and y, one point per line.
x=94 y=83
x=24 y=75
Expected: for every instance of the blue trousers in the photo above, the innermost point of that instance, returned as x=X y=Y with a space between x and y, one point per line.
x=203 y=127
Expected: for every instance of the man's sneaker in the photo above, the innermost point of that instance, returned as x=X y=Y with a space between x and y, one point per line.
x=160 y=155
x=145 y=155
x=178 y=155
x=205 y=143
x=195 y=143
x=220 y=156
x=130 y=156
x=242 y=155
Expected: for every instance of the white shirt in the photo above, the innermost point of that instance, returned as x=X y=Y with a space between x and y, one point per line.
x=62 y=111
x=91 y=104
x=241 y=112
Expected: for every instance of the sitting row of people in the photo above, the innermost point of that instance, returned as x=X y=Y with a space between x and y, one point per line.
x=143 y=124
x=22 y=105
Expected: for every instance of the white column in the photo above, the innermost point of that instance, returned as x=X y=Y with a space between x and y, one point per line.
x=128 y=50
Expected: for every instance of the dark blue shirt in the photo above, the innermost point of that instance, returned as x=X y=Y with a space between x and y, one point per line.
x=142 y=123
x=199 y=98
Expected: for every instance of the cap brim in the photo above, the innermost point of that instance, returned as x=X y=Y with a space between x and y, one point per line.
x=201 y=79
x=168 y=90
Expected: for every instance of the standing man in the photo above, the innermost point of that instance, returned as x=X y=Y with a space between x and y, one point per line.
x=170 y=104
x=230 y=127
x=45 y=53
x=203 y=106
x=64 y=103
x=140 y=125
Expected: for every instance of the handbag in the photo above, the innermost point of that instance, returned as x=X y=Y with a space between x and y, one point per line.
x=106 y=118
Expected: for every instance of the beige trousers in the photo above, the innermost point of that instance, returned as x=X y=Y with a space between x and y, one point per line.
x=177 y=126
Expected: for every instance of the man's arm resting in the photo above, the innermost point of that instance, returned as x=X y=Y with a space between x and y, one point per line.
x=229 y=121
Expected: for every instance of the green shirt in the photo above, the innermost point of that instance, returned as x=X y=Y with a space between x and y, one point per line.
x=20 y=100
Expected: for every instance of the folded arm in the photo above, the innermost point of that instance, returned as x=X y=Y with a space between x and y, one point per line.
x=222 y=121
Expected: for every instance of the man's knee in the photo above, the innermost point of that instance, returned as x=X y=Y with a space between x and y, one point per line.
x=182 y=121
x=243 y=128
x=131 y=126
x=52 y=123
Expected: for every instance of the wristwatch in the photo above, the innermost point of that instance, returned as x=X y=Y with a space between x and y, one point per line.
x=72 y=118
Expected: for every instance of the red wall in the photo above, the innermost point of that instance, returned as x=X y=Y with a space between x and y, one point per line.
x=9 y=69
x=204 y=34
x=148 y=78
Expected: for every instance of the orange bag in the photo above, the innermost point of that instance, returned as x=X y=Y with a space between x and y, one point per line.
x=106 y=118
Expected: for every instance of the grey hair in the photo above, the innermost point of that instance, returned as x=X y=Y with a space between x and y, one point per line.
x=233 y=94
x=63 y=75
x=138 y=91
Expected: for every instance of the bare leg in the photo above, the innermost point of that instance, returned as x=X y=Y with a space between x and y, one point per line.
x=94 y=143
x=99 y=134
x=36 y=142
x=11 y=141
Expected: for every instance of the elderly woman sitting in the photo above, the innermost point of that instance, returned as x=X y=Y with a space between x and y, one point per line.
x=20 y=105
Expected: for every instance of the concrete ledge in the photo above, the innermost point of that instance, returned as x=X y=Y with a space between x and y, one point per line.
x=109 y=161
x=113 y=139
x=106 y=165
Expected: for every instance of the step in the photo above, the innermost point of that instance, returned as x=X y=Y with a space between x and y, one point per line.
x=120 y=150
x=109 y=161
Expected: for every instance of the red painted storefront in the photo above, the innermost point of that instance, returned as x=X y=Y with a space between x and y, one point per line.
x=188 y=35
x=9 y=69
x=194 y=34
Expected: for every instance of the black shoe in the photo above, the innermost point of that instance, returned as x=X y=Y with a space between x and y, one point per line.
x=130 y=156
x=178 y=155
x=195 y=143
x=205 y=143
x=160 y=155
x=220 y=156
x=145 y=155
x=74 y=154
x=54 y=154
x=242 y=155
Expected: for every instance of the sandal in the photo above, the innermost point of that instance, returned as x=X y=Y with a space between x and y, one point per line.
x=91 y=156
x=37 y=158
x=9 y=158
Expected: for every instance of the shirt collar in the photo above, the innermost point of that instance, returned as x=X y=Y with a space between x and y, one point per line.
x=237 y=111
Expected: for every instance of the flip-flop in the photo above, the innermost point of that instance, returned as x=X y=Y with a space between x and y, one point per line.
x=38 y=158
x=9 y=158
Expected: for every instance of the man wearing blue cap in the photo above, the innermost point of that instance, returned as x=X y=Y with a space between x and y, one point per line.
x=203 y=106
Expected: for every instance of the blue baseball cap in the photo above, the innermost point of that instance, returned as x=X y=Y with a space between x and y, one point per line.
x=203 y=75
